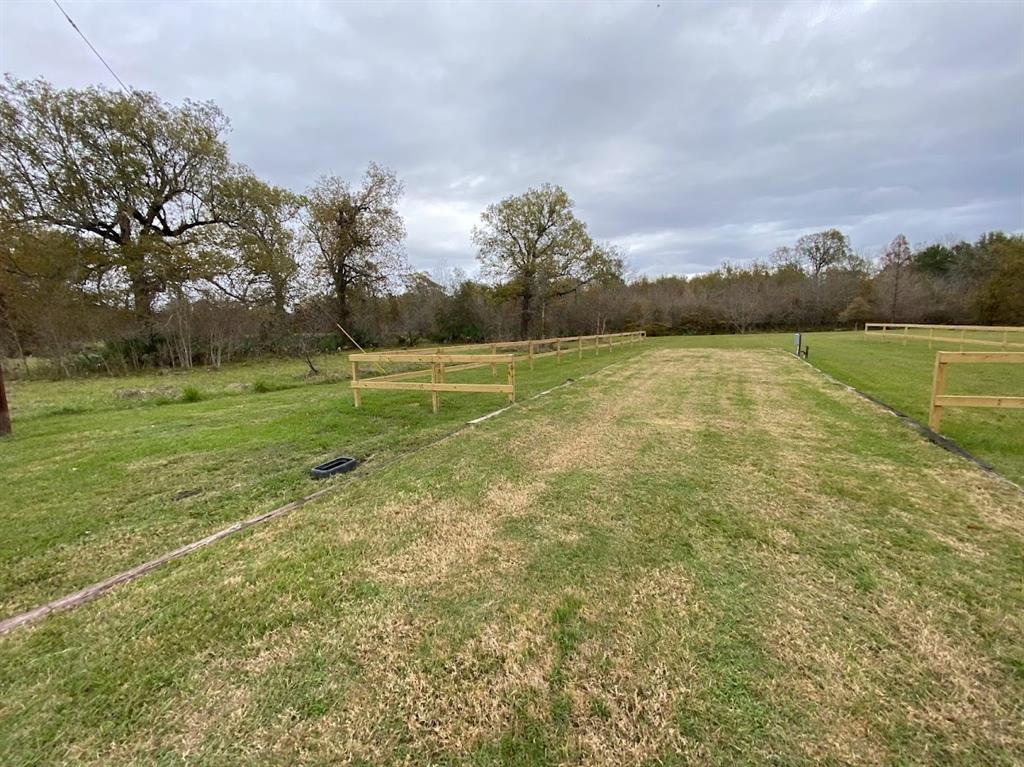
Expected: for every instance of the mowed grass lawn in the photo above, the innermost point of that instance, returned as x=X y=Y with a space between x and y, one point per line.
x=901 y=376
x=102 y=474
x=695 y=556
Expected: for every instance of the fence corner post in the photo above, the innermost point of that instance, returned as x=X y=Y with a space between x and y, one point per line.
x=356 y=395
x=433 y=392
x=938 y=387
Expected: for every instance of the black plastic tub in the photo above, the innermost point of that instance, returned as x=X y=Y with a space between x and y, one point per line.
x=334 y=466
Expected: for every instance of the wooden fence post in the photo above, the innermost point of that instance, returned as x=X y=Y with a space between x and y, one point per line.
x=931 y=335
x=938 y=389
x=579 y=343
x=512 y=380
x=906 y=329
x=433 y=379
x=356 y=396
x=494 y=366
x=529 y=353
x=558 y=351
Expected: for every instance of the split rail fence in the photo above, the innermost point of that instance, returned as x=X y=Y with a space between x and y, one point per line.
x=446 y=360
x=948 y=334
x=941 y=400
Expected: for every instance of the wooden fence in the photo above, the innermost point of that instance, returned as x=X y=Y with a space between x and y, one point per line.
x=437 y=381
x=942 y=400
x=446 y=360
x=903 y=331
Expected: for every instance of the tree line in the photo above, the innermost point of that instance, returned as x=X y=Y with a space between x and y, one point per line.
x=129 y=238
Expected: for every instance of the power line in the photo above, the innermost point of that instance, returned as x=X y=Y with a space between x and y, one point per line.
x=92 y=47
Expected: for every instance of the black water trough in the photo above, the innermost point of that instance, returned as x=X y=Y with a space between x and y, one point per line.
x=334 y=466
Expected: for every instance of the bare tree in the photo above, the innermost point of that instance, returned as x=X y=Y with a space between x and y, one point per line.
x=895 y=262
x=356 y=234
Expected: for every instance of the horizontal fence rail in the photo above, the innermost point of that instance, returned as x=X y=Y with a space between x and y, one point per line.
x=446 y=360
x=909 y=331
x=942 y=400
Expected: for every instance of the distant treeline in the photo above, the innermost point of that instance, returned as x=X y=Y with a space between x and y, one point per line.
x=128 y=239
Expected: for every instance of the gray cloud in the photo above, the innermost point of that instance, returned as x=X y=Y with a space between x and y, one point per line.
x=687 y=133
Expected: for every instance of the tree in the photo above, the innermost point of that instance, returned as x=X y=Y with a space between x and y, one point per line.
x=857 y=311
x=139 y=174
x=1000 y=298
x=356 y=234
x=261 y=242
x=897 y=258
x=935 y=259
x=5 y=412
x=822 y=250
x=536 y=241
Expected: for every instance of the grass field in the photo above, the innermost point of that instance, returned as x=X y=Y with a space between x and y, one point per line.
x=703 y=553
x=901 y=376
x=96 y=481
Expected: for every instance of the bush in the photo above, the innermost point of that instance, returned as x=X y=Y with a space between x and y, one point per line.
x=191 y=394
x=262 y=387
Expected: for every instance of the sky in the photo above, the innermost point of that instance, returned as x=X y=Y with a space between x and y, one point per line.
x=688 y=134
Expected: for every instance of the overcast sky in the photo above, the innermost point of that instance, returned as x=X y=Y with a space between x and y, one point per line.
x=687 y=133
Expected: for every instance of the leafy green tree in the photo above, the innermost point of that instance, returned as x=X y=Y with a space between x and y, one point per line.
x=260 y=242
x=356 y=235
x=1000 y=297
x=140 y=175
x=536 y=242
x=935 y=260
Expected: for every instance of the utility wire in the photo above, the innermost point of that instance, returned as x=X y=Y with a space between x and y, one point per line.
x=92 y=47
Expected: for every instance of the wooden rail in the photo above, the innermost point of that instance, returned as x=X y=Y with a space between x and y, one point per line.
x=468 y=356
x=537 y=348
x=882 y=331
x=942 y=400
x=437 y=381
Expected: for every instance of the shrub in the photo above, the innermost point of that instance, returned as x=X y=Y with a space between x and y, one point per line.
x=191 y=394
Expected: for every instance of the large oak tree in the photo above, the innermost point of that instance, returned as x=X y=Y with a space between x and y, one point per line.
x=356 y=234
x=535 y=241
x=139 y=174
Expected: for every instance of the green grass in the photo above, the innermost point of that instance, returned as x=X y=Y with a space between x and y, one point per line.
x=901 y=376
x=102 y=473
x=698 y=556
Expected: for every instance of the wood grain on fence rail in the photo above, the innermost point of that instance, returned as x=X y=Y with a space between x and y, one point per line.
x=940 y=375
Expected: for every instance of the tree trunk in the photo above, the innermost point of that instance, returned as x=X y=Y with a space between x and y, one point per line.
x=895 y=295
x=524 y=313
x=143 y=289
x=5 y=413
x=341 y=292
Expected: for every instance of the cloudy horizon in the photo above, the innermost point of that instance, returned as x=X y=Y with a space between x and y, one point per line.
x=688 y=134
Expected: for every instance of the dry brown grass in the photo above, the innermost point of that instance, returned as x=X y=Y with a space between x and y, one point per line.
x=443 y=694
